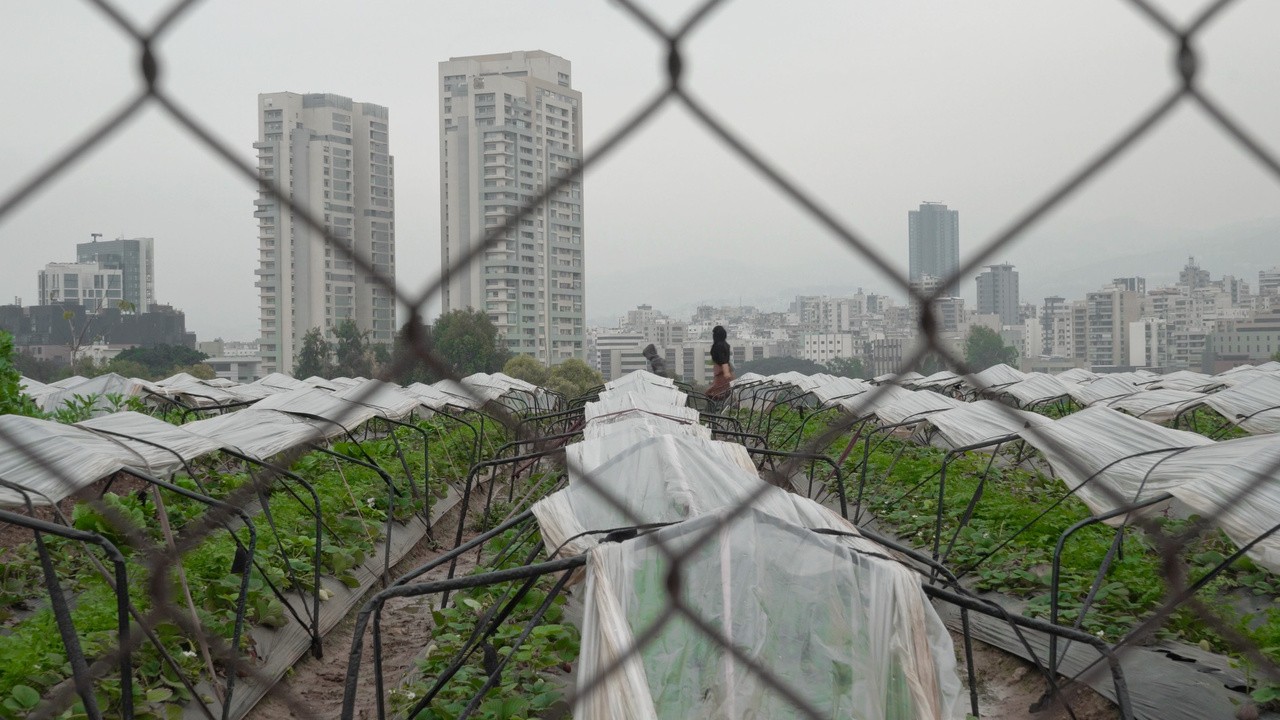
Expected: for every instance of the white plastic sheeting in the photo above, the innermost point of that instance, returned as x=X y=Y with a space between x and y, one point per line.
x=1253 y=405
x=150 y=432
x=436 y=399
x=838 y=387
x=320 y=404
x=389 y=401
x=258 y=433
x=914 y=406
x=100 y=386
x=850 y=634
x=940 y=379
x=1156 y=406
x=1106 y=387
x=53 y=460
x=647 y=378
x=643 y=423
x=1232 y=482
x=977 y=422
x=907 y=378
x=279 y=381
x=472 y=396
x=1077 y=376
x=864 y=405
x=1181 y=380
x=1112 y=451
x=1037 y=388
x=1239 y=376
x=632 y=400
x=995 y=377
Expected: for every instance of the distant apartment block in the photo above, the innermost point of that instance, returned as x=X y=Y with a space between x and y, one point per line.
x=331 y=157
x=84 y=283
x=1269 y=281
x=134 y=258
x=1109 y=313
x=948 y=310
x=934 y=244
x=824 y=347
x=510 y=127
x=998 y=293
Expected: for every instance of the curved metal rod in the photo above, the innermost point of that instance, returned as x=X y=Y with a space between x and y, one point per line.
x=428 y=588
x=1054 y=583
x=835 y=470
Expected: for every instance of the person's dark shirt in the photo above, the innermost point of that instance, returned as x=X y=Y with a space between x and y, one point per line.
x=721 y=354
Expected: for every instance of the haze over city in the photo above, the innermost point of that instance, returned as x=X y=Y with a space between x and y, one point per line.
x=871 y=108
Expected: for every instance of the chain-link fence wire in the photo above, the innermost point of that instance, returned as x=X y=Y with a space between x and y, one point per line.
x=160 y=560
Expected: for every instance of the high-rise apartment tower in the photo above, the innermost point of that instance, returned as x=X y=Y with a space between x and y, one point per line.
x=332 y=157
x=934 y=237
x=998 y=293
x=510 y=126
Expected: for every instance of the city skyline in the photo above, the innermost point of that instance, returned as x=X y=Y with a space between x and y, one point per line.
x=672 y=189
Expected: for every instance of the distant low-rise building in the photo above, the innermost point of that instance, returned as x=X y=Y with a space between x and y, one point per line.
x=47 y=332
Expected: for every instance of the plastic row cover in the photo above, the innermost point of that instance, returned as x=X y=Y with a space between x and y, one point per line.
x=914 y=405
x=1254 y=405
x=1157 y=406
x=977 y=422
x=1105 y=455
x=75 y=458
x=880 y=651
x=846 y=632
x=1037 y=388
x=995 y=377
x=1105 y=388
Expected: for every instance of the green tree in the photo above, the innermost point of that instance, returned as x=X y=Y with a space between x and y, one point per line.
x=12 y=400
x=527 y=368
x=1276 y=356
x=355 y=358
x=313 y=357
x=468 y=343
x=984 y=347
x=407 y=353
x=161 y=361
x=775 y=365
x=45 y=371
x=573 y=377
x=198 y=370
x=130 y=369
x=846 y=367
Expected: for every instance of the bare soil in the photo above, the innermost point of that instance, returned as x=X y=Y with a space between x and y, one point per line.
x=1008 y=688
x=406 y=630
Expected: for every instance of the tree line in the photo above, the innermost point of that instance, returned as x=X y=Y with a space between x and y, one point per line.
x=461 y=342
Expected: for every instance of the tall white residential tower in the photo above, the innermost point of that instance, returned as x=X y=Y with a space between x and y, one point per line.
x=332 y=157
x=510 y=125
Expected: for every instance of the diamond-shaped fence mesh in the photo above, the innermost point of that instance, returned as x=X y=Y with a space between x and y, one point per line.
x=540 y=436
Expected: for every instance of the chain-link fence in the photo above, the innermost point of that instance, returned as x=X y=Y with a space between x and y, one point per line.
x=161 y=560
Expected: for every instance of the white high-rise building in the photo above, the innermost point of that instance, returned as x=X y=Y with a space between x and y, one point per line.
x=510 y=125
x=332 y=157
x=87 y=284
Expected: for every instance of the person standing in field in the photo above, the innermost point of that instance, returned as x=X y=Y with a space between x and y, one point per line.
x=721 y=365
x=656 y=364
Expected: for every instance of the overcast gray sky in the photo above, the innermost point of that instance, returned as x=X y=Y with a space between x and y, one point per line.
x=872 y=107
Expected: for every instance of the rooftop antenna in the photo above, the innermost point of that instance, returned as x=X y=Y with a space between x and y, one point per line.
x=95 y=236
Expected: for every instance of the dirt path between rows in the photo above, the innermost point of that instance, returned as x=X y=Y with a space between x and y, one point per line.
x=406 y=631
